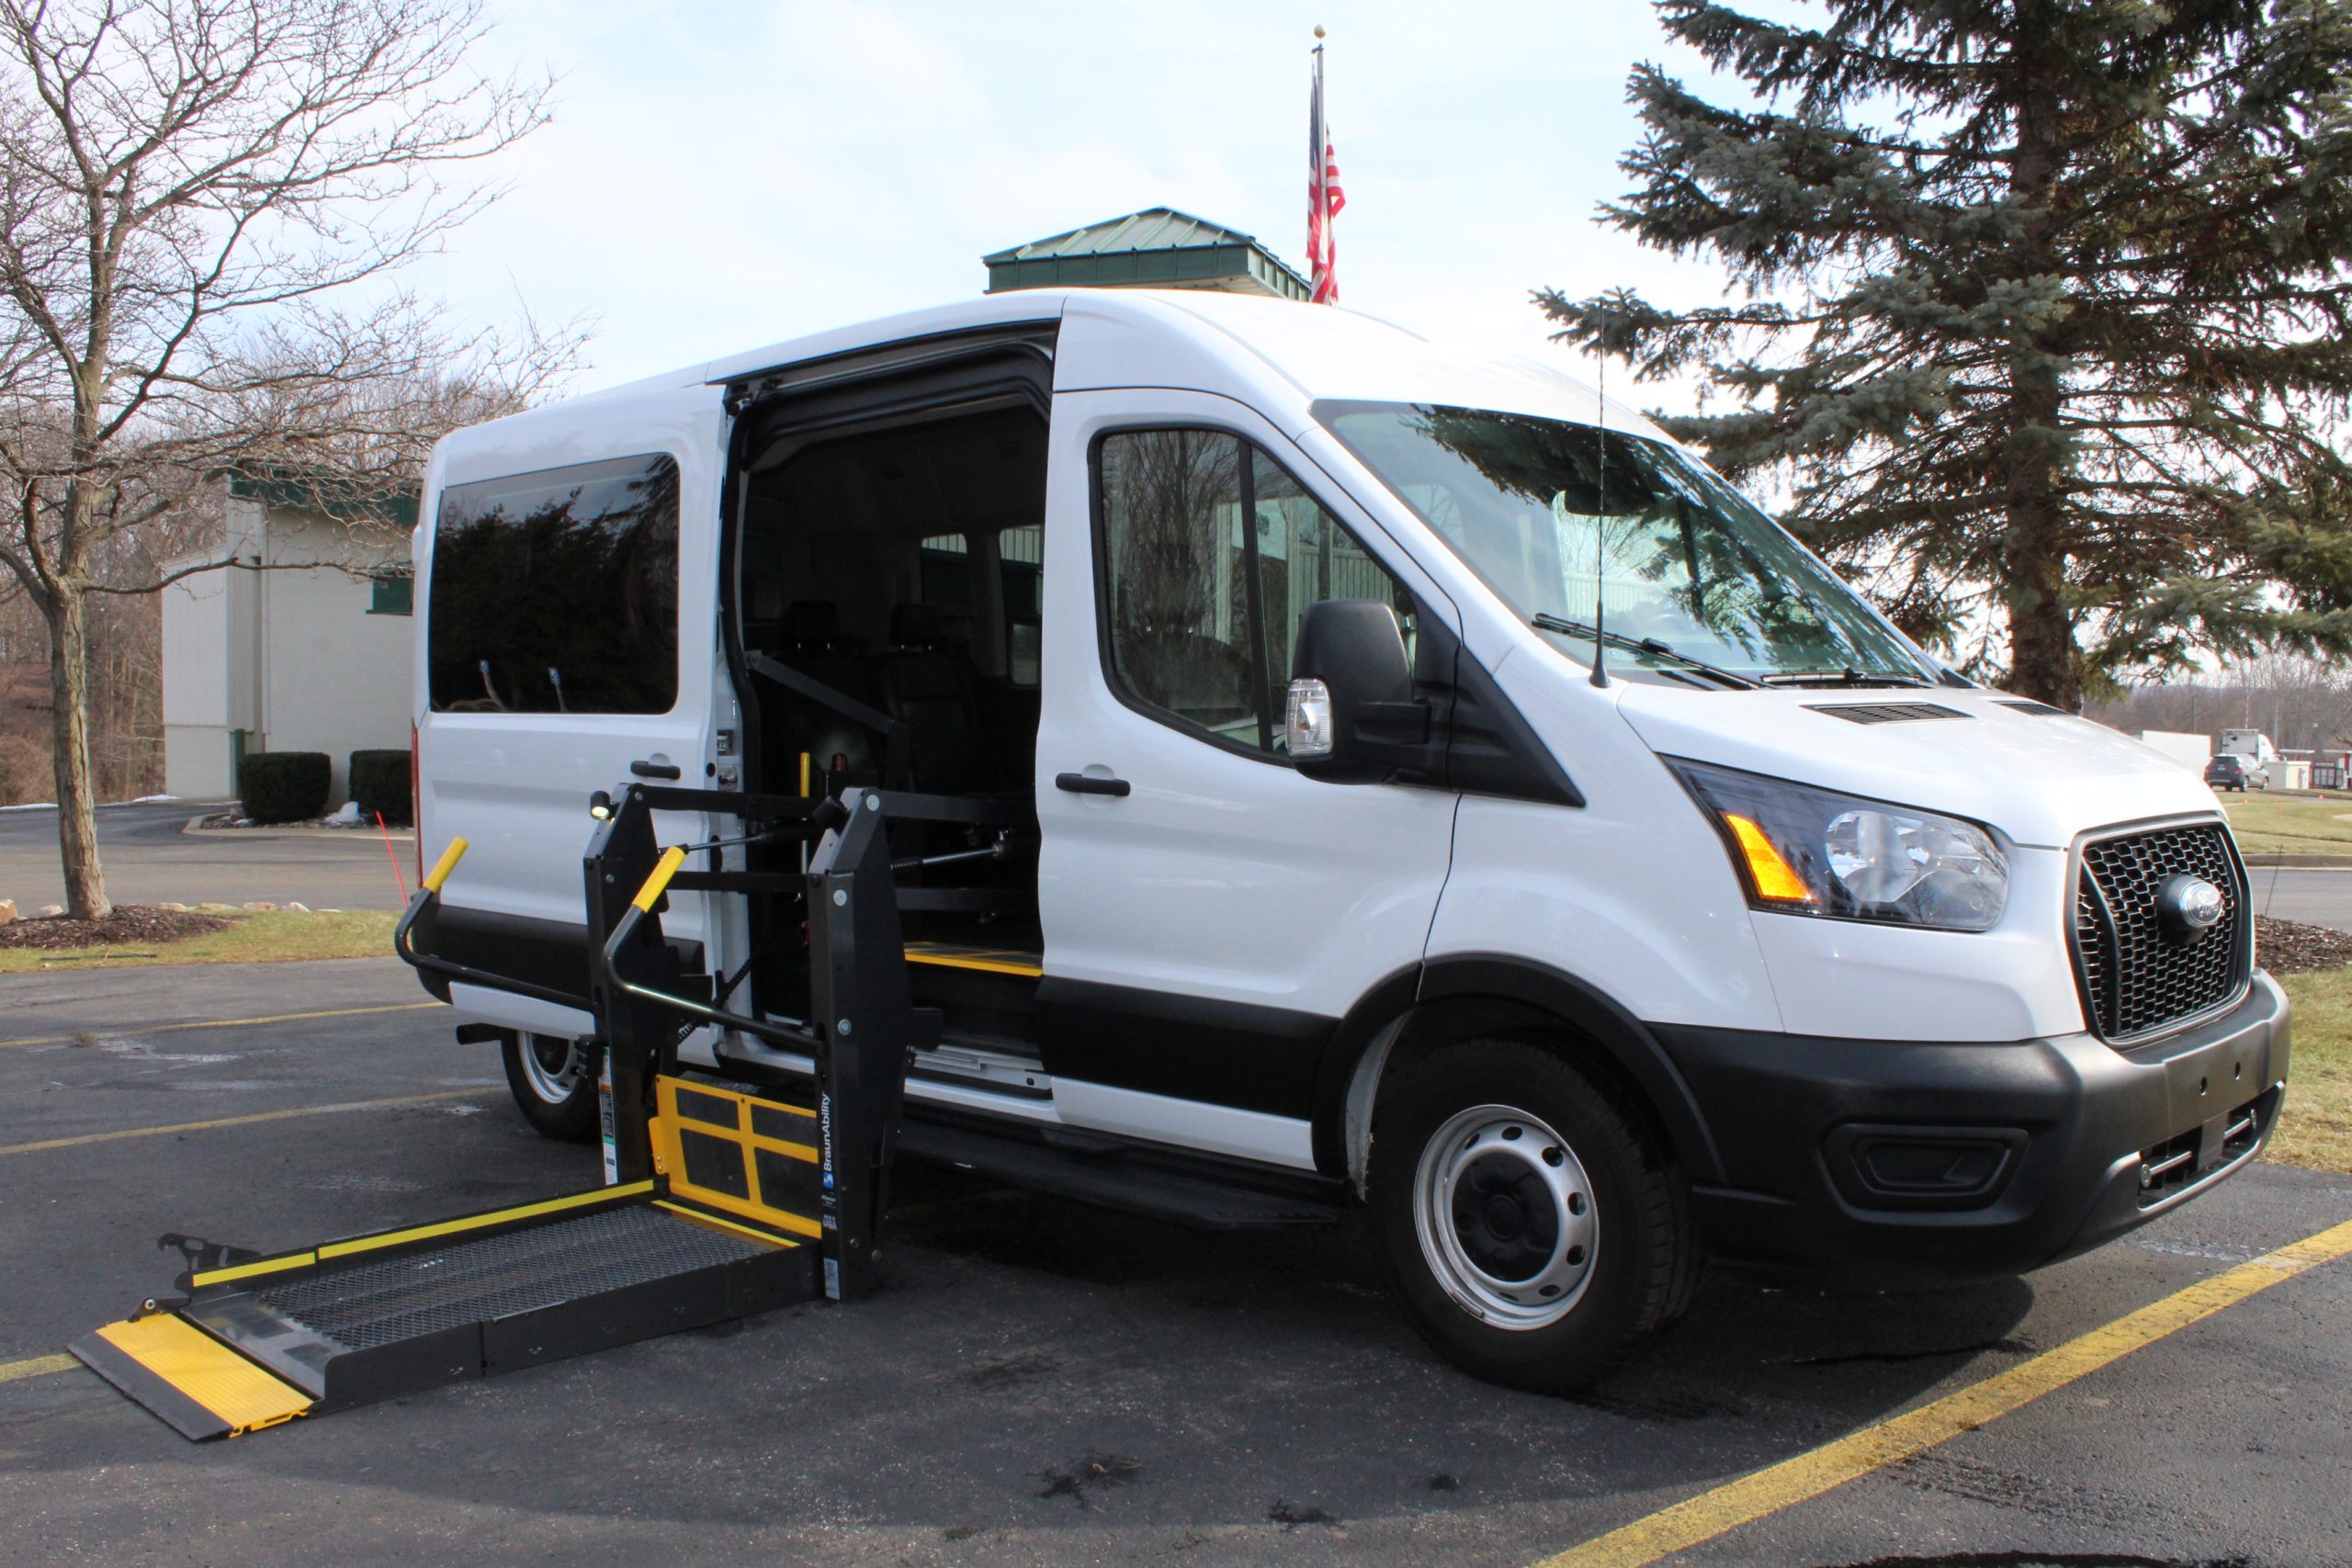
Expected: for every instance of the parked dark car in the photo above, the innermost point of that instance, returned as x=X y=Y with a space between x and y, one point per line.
x=2228 y=771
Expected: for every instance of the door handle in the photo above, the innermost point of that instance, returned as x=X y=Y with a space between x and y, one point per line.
x=645 y=769
x=1081 y=784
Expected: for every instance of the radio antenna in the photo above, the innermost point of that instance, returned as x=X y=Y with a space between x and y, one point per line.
x=1600 y=521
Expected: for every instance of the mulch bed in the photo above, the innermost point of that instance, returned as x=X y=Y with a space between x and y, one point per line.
x=128 y=923
x=2289 y=947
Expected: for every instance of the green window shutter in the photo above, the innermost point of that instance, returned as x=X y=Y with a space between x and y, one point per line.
x=395 y=594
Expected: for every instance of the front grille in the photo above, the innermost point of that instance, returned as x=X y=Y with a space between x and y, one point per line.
x=2136 y=976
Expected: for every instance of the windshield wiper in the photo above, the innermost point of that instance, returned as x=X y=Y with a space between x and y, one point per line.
x=1544 y=621
x=1848 y=677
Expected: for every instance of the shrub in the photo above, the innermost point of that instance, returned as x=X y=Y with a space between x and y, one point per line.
x=379 y=783
x=285 y=786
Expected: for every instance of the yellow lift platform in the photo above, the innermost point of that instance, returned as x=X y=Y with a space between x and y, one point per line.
x=720 y=1201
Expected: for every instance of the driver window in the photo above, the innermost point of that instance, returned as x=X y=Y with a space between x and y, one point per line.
x=1212 y=553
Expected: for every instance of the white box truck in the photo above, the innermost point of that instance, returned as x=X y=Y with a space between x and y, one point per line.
x=2188 y=750
x=2248 y=743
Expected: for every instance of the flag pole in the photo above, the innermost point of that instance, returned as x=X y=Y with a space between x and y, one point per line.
x=1321 y=258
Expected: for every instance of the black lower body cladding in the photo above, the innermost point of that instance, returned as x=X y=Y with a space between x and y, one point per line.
x=1907 y=1163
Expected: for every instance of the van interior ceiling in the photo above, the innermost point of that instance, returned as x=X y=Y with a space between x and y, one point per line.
x=886 y=592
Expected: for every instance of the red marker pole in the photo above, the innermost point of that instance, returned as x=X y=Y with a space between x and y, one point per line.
x=394 y=855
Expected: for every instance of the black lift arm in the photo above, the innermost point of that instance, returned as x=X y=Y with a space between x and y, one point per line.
x=863 y=1023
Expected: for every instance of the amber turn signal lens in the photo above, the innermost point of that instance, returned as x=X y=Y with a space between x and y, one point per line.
x=1774 y=877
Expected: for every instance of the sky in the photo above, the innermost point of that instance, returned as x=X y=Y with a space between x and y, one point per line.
x=722 y=176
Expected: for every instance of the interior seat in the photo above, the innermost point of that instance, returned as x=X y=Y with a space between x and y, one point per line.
x=812 y=642
x=930 y=686
x=764 y=610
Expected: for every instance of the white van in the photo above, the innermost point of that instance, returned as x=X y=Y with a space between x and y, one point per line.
x=1450 y=797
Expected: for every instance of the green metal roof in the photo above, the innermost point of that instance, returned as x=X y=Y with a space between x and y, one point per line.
x=337 y=496
x=1159 y=247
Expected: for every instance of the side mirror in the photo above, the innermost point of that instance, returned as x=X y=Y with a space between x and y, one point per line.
x=1351 y=718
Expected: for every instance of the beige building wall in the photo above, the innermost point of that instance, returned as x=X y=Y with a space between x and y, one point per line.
x=291 y=654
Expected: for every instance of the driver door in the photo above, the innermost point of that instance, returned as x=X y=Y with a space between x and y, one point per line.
x=1210 y=914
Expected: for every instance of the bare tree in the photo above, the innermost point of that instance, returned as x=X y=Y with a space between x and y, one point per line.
x=188 y=188
x=2302 y=703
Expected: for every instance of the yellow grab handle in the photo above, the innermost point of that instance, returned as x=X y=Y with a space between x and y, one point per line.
x=664 y=870
x=445 y=865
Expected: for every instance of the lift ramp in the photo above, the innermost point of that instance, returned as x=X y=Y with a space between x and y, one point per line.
x=720 y=1201
x=260 y=1341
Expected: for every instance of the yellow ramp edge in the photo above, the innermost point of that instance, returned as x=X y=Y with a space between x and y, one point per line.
x=988 y=960
x=330 y=1250
x=200 y=1368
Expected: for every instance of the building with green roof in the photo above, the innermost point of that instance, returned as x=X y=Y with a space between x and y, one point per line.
x=1156 y=248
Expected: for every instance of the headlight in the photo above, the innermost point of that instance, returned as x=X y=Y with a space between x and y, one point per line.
x=1812 y=851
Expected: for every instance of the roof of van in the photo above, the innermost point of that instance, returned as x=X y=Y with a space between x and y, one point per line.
x=1286 y=354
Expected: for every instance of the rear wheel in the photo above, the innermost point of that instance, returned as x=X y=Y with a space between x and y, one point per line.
x=554 y=1083
x=1534 y=1233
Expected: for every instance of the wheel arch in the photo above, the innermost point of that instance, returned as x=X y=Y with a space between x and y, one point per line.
x=1465 y=995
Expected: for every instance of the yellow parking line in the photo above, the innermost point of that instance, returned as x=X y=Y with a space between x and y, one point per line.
x=37 y=1367
x=217 y=1023
x=1768 y=1490
x=235 y=1120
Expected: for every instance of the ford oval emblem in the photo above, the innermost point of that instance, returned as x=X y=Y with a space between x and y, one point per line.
x=2189 y=907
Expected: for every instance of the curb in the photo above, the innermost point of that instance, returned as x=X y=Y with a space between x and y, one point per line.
x=400 y=835
x=2299 y=863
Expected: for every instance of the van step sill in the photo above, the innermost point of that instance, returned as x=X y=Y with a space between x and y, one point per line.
x=1123 y=1184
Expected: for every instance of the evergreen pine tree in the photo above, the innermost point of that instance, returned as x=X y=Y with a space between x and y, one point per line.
x=2040 y=308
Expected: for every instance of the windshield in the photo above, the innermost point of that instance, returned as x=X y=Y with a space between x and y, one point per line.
x=1577 y=524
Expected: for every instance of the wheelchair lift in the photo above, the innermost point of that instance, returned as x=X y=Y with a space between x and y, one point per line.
x=722 y=1199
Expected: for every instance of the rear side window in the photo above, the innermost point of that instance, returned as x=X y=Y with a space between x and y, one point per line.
x=557 y=592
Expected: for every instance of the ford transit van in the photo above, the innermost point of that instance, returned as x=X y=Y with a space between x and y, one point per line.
x=1436 y=791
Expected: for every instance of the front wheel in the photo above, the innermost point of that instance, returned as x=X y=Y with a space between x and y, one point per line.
x=1534 y=1233
x=554 y=1083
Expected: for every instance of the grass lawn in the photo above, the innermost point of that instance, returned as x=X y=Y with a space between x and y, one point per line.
x=2316 y=1130
x=263 y=937
x=2289 y=824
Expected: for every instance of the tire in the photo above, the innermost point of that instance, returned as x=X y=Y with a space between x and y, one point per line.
x=1574 y=1263
x=554 y=1083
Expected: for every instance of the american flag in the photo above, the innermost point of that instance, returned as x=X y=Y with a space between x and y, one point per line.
x=1324 y=197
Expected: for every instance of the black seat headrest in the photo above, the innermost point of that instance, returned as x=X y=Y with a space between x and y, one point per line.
x=813 y=623
x=914 y=625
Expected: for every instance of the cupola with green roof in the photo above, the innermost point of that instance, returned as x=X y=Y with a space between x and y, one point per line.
x=1156 y=248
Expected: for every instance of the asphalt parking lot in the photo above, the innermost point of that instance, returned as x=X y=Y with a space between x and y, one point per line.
x=1044 y=1383
x=148 y=860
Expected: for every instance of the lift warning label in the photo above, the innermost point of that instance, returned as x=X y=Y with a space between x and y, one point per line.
x=605 y=1119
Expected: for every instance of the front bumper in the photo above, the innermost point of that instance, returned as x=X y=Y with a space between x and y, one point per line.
x=1903 y=1164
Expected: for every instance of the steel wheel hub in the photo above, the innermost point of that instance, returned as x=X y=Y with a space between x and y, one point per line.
x=1504 y=1212
x=553 y=1066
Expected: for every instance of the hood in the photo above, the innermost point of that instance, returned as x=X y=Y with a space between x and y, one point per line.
x=2039 y=777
